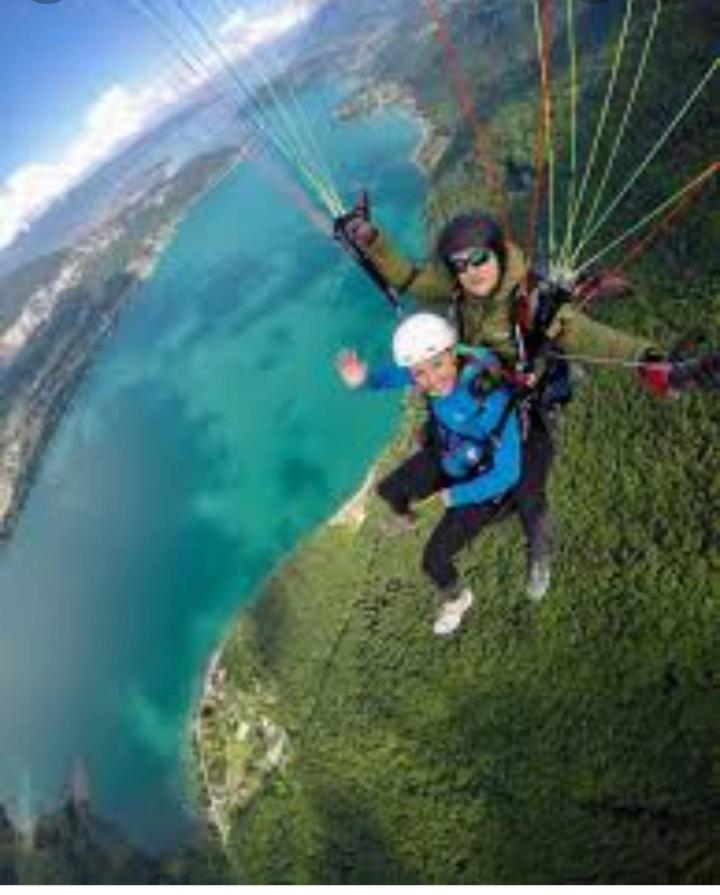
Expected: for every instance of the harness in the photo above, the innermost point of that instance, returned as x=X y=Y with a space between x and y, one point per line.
x=535 y=303
x=530 y=332
x=440 y=437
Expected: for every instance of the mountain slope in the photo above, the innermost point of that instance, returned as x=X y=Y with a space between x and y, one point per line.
x=572 y=741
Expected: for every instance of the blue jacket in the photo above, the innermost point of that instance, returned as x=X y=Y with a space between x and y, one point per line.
x=465 y=421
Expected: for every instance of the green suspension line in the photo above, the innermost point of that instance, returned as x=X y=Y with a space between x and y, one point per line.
x=651 y=155
x=645 y=220
x=628 y=111
x=600 y=129
x=572 y=186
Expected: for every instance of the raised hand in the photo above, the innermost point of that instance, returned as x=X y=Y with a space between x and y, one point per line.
x=357 y=225
x=351 y=369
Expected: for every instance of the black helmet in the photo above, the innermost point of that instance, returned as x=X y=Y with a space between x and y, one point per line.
x=468 y=231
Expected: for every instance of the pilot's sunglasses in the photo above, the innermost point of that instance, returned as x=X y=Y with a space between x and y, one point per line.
x=473 y=258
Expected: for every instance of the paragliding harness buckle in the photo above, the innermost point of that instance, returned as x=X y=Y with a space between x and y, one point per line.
x=553 y=387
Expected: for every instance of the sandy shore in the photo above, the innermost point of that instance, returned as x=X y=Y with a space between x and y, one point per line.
x=353 y=512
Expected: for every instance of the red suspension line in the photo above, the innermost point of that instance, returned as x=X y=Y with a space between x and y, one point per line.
x=665 y=224
x=297 y=194
x=542 y=137
x=670 y=218
x=483 y=140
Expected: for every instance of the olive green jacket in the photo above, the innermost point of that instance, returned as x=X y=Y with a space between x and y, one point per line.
x=489 y=321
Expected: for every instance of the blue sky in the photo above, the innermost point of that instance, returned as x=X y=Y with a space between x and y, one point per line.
x=80 y=77
x=55 y=61
x=57 y=58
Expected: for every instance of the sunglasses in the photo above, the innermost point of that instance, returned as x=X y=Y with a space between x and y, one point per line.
x=472 y=258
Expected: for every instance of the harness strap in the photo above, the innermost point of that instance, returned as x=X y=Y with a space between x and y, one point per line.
x=490 y=442
x=523 y=291
x=531 y=337
x=499 y=427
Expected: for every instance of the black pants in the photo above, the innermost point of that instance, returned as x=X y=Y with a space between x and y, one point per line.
x=422 y=475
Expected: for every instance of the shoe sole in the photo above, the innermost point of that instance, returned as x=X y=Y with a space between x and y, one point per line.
x=537 y=596
x=459 y=621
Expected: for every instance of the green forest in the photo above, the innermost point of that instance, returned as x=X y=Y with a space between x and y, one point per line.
x=572 y=741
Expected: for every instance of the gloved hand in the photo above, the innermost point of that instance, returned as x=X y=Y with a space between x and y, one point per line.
x=356 y=224
x=707 y=374
x=703 y=372
x=666 y=376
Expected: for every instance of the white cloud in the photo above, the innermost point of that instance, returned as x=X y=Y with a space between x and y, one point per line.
x=25 y=194
x=243 y=32
x=121 y=113
x=117 y=116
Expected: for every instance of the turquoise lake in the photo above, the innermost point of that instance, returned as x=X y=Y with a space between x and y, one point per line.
x=209 y=436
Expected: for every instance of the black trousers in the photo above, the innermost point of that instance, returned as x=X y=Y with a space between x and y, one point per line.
x=422 y=475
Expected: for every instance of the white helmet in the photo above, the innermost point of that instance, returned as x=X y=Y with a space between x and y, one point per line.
x=420 y=337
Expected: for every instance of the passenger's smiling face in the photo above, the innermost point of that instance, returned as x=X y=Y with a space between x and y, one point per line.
x=438 y=375
x=477 y=270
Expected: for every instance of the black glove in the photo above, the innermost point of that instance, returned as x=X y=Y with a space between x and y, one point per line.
x=703 y=372
x=356 y=225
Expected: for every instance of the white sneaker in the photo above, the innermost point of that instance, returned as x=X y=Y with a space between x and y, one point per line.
x=539 y=580
x=452 y=613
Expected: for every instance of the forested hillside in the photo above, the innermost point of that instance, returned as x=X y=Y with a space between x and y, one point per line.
x=575 y=740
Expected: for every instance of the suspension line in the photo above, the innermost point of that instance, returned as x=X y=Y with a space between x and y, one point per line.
x=651 y=155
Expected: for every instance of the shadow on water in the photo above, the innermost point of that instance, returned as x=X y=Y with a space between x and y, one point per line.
x=229 y=294
x=297 y=476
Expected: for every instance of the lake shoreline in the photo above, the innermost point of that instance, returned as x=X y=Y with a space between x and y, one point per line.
x=40 y=405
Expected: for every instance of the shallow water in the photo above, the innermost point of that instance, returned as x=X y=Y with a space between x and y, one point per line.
x=209 y=436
